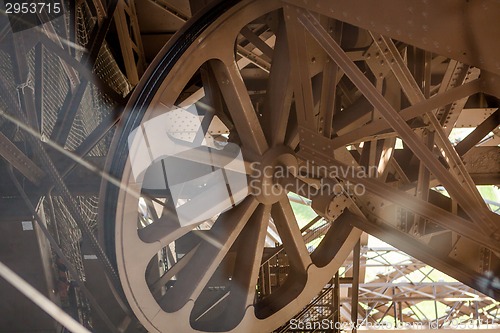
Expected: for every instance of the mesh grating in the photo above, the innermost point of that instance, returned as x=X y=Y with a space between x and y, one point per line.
x=107 y=69
x=68 y=233
x=56 y=86
x=89 y=207
x=8 y=99
x=84 y=24
x=93 y=109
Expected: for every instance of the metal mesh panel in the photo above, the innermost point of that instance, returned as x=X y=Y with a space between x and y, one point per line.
x=68 y=233
x=84 y=24
x=95 y=106
x=63 y=227
x=82 y=123
x=107 y=69
x=93 y=109
x=56 y=87
x=104 y=106
x=8 y=98
x=89 y=207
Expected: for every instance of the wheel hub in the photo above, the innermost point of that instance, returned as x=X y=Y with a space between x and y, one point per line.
x=270 y=174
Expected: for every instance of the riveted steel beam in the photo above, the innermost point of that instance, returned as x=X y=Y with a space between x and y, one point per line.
x=409 y=113
x=416 y=249
x=19 y=160
x=437 y=215
x=479 y=133
x=427 y=25
x=392 y=56
x=130 y=40
x=487 y=222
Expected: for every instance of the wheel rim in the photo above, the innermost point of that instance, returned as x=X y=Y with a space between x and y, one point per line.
x=236 y=239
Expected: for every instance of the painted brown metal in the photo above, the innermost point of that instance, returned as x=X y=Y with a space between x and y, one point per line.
x=427 y=25
x=414 y=64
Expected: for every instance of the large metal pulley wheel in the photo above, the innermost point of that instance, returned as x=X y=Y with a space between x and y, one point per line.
x=200 y=155
x=189 y=230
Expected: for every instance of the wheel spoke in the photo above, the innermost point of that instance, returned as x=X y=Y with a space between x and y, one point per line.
x=174 y=270
x=300 y=74
x=279 y=92
x=257 y=42
x=249 y=257
x=213 y=95
x=208 y=256
x=242 y=291
x=152 y=212
x=176 y=222
x=290 y=234
x=240 y=106
x=167 y=232
x=334 y=238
